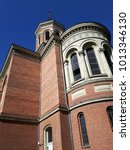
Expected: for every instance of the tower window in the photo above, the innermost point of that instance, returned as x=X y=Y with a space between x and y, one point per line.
x=39 y=39
x=107 y=53
x=48 y=139
x=83 y=129
x=93 y=61
x=110 y=114
x=47 y=35
x=75 y=67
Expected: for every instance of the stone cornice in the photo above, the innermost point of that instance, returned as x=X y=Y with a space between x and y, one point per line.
x=6 y=63
x=90 y=101
x=21 y=51
x=29 y=54
x=53 y=111
x=25 y=52
x=86 y=82
x=86 y=26
x=44 y=48
x=38 y=119
x=49 y=22
x=11 y=118
x=33 y=120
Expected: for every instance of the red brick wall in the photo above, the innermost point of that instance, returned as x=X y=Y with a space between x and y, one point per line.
x=14 y=136
x=52 y=91
x=98 y=126
x=22 y=94
x=65 y=132
x=60 y=131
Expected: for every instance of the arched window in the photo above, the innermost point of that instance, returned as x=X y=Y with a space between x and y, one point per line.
x=93 y=61
x=107 y=53
x=48 y=139
x=110 y=114
x=47 y=35
x=75 y=67
x=39 y=39
x=83 y=130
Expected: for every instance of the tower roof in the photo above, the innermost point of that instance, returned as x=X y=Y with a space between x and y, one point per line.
x=48 y=23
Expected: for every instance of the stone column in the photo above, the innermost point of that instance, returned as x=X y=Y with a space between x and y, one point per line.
x=67 y=78
x=104 y=63
x=83 y=67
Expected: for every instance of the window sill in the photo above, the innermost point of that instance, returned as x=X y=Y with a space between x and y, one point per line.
x=98 y=75
x=77 y=81
x=87 y=146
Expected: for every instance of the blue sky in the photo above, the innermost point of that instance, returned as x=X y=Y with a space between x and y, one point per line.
x=20 y=18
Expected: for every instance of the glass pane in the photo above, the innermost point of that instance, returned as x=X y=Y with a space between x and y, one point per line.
x=96 y=71
x=108 y=58
x=93 y=61
x=77 y=75
x=49 y=131
x=47 y=35
x=110 y=111
x=83 y=130
x=94 y=66
x=74 y=62
x=75 y=67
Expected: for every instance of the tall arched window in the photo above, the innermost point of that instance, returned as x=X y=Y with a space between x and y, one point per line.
x=75 y=67
x=48 y=139
x=93 y=61
x=39 y=39
x=107 y=53
x=83 y=130
x=110 y=114
x=47 y=35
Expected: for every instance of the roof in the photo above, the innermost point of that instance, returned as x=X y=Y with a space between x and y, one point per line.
x=48 y=23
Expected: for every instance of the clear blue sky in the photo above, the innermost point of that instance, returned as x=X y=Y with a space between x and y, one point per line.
x=20 y=18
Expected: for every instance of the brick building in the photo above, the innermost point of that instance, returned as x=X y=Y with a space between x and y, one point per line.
x=60 y=96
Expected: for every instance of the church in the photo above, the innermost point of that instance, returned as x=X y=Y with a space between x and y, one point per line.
x=59 y=97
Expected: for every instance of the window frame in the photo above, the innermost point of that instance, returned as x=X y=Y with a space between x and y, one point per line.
x=89 y=63
x=80 y=131
x=39 y=39
x=108 y=56
x=109 y=115
x=74 y=71
x=47 y=35
x=46 y=137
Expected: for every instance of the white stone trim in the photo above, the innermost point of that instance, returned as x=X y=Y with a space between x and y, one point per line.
x=49 y=114
x=90 y=102
x=67 y=77
x=103 y=87
x=82 y=64
x=78 y=94
x=105 y=66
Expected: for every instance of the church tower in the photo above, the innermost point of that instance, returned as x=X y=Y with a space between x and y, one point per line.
x=45 y=30
x=52 y=103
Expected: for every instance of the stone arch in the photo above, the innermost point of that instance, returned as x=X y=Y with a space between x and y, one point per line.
x=69 y=51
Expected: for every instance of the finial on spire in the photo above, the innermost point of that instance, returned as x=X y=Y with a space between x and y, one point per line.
x=49 y=15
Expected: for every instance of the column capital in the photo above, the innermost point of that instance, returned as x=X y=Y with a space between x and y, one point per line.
x=101 y=50
x=81 y=52
x=66 y=62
